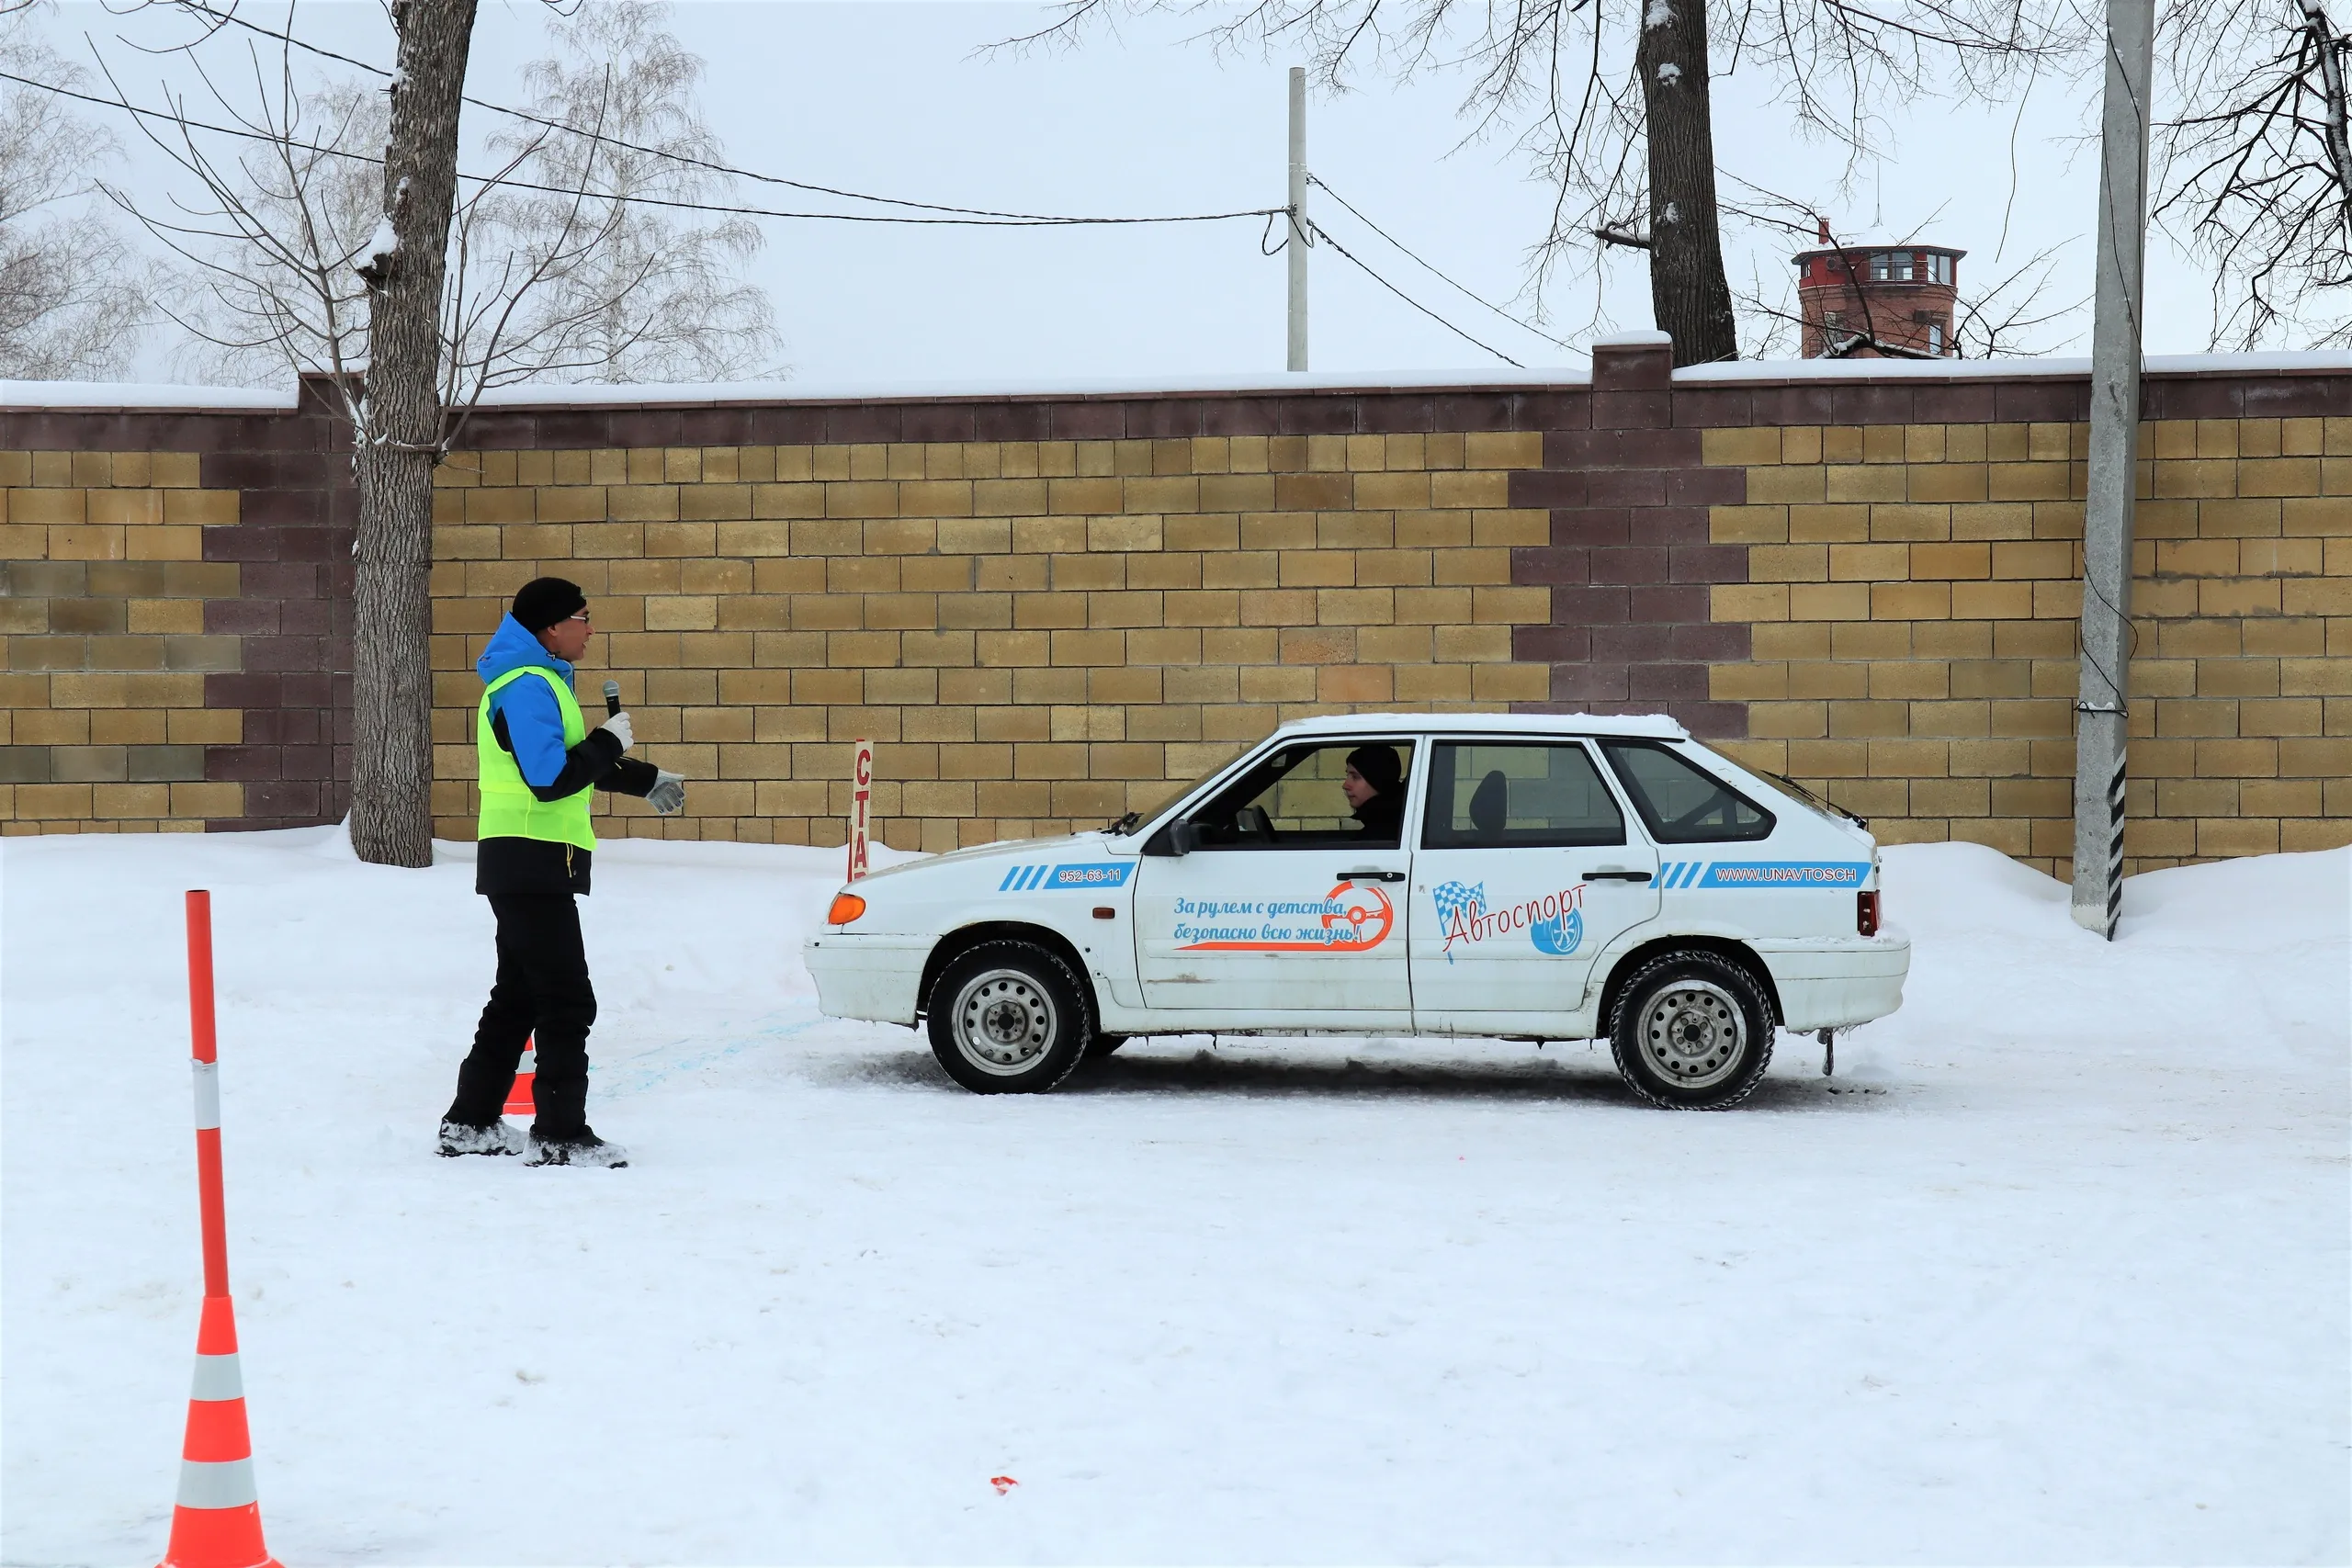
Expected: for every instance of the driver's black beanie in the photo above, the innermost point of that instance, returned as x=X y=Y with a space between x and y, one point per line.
x=1378 y=766
x=544 y=601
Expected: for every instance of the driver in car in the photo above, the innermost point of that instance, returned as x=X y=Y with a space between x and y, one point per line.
x=1374 y=786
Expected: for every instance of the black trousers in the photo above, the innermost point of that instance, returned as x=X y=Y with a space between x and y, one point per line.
x=542 y=989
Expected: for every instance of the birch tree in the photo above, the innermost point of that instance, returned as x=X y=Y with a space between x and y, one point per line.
x=2255 y=170
x=71 y=306
x=661 y=296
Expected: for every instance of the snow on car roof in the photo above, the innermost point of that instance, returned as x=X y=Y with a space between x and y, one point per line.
x=1655 y=726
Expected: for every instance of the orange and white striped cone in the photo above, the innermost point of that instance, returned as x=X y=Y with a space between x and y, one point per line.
x=217 y=1520
x=519 y=1099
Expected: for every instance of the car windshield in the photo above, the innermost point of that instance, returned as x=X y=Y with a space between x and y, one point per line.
x=1135 y=819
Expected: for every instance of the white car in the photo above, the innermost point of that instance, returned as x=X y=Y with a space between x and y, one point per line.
x=1531 y=876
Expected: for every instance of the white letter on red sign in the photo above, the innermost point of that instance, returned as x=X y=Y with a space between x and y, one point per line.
x=861 y=800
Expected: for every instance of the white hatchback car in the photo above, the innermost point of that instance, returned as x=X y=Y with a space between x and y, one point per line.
x=1535 y=877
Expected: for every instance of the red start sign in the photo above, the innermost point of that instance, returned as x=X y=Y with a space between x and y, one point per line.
x=861 y=801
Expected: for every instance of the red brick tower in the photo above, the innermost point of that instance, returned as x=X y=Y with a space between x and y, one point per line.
x=1875 y=302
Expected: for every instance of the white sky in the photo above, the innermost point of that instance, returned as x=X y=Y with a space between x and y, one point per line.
x=893 y=99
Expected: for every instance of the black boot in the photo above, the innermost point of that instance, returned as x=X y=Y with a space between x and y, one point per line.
x=582 y=1148
x=466 y=1138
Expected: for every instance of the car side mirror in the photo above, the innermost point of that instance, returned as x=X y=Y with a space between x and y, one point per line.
x=1178 y=837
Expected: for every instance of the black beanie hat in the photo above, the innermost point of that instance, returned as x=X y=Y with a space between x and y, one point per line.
x=544 y=601
x=1377 y=765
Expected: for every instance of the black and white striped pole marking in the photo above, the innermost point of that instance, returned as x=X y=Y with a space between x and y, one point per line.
x=2100 y=717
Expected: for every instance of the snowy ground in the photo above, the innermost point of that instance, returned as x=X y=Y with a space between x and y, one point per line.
x=2054 y=1269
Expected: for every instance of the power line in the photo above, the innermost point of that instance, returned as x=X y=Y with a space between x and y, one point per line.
x=1038 y=221
x=1322 y=233
x=1038 y=218
x=1432 y=271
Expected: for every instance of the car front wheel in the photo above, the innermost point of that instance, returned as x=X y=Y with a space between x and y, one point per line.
x=1692 y=1032
x=1009 y=1018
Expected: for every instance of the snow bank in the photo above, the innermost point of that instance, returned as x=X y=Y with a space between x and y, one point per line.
x=668 y=394
x=16 y=396
x=2316 y=361
x=106 y=396
x=2055 y=1269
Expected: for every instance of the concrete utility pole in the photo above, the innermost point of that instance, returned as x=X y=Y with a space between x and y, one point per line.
x=1296 y=245
x=2100 y=722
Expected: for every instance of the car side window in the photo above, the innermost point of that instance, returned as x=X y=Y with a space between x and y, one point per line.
x=1316 y=795
x=1496 y=795
x=1681 y=803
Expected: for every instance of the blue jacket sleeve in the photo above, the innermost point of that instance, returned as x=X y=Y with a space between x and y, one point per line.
x=533 y=728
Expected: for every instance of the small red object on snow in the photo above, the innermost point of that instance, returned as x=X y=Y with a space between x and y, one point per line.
x=1003 y=1484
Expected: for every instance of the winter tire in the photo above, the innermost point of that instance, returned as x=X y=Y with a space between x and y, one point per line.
x=1009 y=1018
x=1692 y=1032
x=1103 y=1045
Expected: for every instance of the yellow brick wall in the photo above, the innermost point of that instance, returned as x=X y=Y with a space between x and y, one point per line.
x=103 y=585
x=1914 y=593
x=1036 y=634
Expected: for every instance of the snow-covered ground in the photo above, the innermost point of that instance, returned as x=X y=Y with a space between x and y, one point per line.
x=2054 y=1269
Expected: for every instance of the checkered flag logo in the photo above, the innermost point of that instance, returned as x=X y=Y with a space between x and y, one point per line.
x=1456 y=901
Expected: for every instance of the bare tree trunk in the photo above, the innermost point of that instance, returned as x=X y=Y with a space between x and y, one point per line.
x=398 y=446
x=2333 y=128
x=1688 y=294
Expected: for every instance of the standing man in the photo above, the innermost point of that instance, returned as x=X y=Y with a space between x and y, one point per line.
x=538 y=762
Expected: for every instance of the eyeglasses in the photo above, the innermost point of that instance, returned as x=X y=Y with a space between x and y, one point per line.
x=582 y=616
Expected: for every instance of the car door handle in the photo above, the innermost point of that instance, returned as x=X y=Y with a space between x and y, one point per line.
x=1371 y=877
x=1618 y=876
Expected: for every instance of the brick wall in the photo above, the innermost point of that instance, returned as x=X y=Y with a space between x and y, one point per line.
x=1912 y=596
x=1035 y=632
x=175 y=603
x=1044 y=609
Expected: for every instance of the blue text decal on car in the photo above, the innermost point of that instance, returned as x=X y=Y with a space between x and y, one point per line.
x=1065 y=878
x=1680 y=874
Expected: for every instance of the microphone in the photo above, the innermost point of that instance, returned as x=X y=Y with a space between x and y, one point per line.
x=612 y=697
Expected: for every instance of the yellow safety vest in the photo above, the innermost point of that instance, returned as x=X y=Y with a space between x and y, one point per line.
x=509 y=809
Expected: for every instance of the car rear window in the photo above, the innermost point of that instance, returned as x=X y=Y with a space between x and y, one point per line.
x=1681 y=803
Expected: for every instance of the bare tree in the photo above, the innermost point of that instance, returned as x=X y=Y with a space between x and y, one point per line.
x=72 y=303
x=1611 y=97
x=659 y=297
x=331 y=232
x=2016 y=316
x=2256 y=170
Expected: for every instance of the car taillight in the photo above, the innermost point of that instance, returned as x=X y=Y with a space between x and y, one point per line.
x=1866 y=913
x=848 y=907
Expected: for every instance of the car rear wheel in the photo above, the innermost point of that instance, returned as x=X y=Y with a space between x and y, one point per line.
x=1692 y=1032
x=1009 y=1018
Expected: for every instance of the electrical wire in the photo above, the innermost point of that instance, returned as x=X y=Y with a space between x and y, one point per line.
x=1320 y=233
x=1433 y=272
x=728 y=210
x=710 y=165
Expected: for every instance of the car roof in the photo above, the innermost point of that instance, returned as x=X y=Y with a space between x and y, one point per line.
x=1653 y=725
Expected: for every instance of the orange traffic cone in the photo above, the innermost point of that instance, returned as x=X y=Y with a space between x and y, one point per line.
x=217 y=1522
x=519 y=1099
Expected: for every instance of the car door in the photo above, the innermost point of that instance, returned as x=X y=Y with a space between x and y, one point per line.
x=1527 y=869
x=1288 y=908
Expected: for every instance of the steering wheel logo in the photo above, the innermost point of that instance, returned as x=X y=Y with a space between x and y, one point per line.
x=1379 y=914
